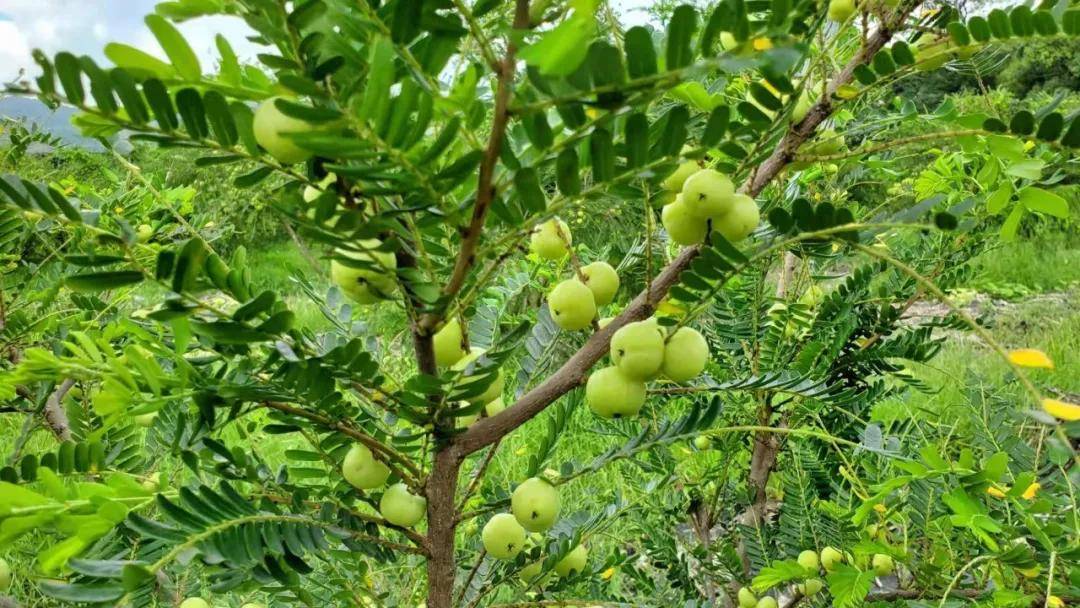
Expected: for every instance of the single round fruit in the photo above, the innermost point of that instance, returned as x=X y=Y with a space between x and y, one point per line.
x=707 y=193
x=767 y=602
x=5 y=575
x=531 y=572
x=400 y=507
x=883 y=564
x=831 y=558
x=1053 y=601
x=144 y=233
x=685 y=355
x=675 y=181
x=747 y=599
x=841 y=10
x=610 y=394
x=573 y=563
x=811 y=587
x=494 y=406
x=572 y=305
x=194 y=602
x=637 y=349
x=551 y=240
x=362 y=470
x=152 y=483
x=145 y=420
x=682 y=226
x=503 y=536
x=802 y=107
x=740 y=220
x=535 y=504
x=449 y=344
x=809 y=559
x=271 y=126
x=493 y=391
x=311 y=193
x=702 y=442
x=602 y=280
x=372 y=282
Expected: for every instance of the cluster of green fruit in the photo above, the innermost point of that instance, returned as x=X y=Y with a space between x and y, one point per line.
x=398 y=505
x=198 y=602
x=574 y=302
x=810 y=560
x=451 y=351
x=704 y=200
x=641 y=351
x=534 y=507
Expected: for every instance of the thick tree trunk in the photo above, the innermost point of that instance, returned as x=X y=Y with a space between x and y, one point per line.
x=442 y=521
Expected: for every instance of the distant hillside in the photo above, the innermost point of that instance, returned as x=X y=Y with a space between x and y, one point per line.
x=57 y=122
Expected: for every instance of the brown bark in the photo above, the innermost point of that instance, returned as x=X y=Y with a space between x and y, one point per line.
x=55 y=416
x=442 y=521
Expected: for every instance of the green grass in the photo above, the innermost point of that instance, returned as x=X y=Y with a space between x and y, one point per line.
x=1050 y=262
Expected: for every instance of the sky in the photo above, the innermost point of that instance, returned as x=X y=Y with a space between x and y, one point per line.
x=84 y=26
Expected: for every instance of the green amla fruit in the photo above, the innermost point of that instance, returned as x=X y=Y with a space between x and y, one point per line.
x=572 y=305
x=401 y=507
x=637 y=349
x=531 y=572
x=747 y=599
x=702 y=442
x=610 y=394
x=809 y=559
x=883 y=564
x=685 y=354
x=841 y=10
x=830 y=558
x=493 y=391
x=681 y=224
x=374 y=277
x=740 y=220
x=708 y=193
x=675 y=181
x=503 y=536
x=811 y=587
x=602 y=280
x=535 y=504
x=271 y=128
x=194 y=602
x=551 y=240
x=449 y=343
x=362 y=470
x=573 y=563
x=767 y=602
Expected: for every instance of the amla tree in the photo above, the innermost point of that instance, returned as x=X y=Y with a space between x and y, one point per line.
x=427 y=143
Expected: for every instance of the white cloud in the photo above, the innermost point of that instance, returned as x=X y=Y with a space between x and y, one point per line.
x=14 y=51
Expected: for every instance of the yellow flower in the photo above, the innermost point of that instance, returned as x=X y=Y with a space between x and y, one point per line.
x=1061 y=409
x=1054 y=601
x=519 y=452
x=592 y=112
x=762 y=44
x=996 y=493
x=606 y=574
x=880 y=508
x=1031 y=491
x=1030 y=357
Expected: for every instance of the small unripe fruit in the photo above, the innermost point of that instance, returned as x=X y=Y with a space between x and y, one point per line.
x=573 y=563
x=809 y=559
x=811 y=587
x=362 y=470
x=708 y=193
x=675 y=181
x=610 y=394
x=802 y=107
x=253 y=605
x=448 y=344
x=883 y=564
x=740 y=220
x=1053 y=601
x=503 y=536
x=602 y=279
x=493 y=391
x=143 y=233
x=551 y=240
x=400 y=507
x=271 y=127
x=368 y=284
x=685 y=355
x=830 y=558
x=681 y=225
x=572 y=305
x=603 y=322
x=145 y=420
x=747 y=599
x=194 y=602
x=841 y=10
x=767 y=602
x=535 y=504
x=702 y=442
x=531 y=572
x=637 y=349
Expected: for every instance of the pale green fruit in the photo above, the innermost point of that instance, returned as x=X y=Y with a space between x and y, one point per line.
x=362 y=470
x=809 y=559
x=637 y=349
x=572 y=305
x=740 y=220
x=883 y=564
x=602 y=280
x=811 y=587
x=602 y=323
x=682 y=226
x=841 y=10
x=494 y=390
x=448 y=342
x=812 y=296
x=708 y=193
x=253 y=605
x=144 y=233
x=573 y=563
x=830 y=558
x=685 y=355
x=702 y=442
x=503 y=536
x=747 y=599
x=270 y=126
x=802 y=107
x=494 y=407
x=152 y=483
x=5 y=575
x=767 y=602
x=535 y=504
x=675 y=181
x=376 y=281
x=311 y=192
x=145 y=420
x=531 y=572
x=194 y=602
x=400 y=507
x=728 y=41
x=551 y=240
x=610 y=394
